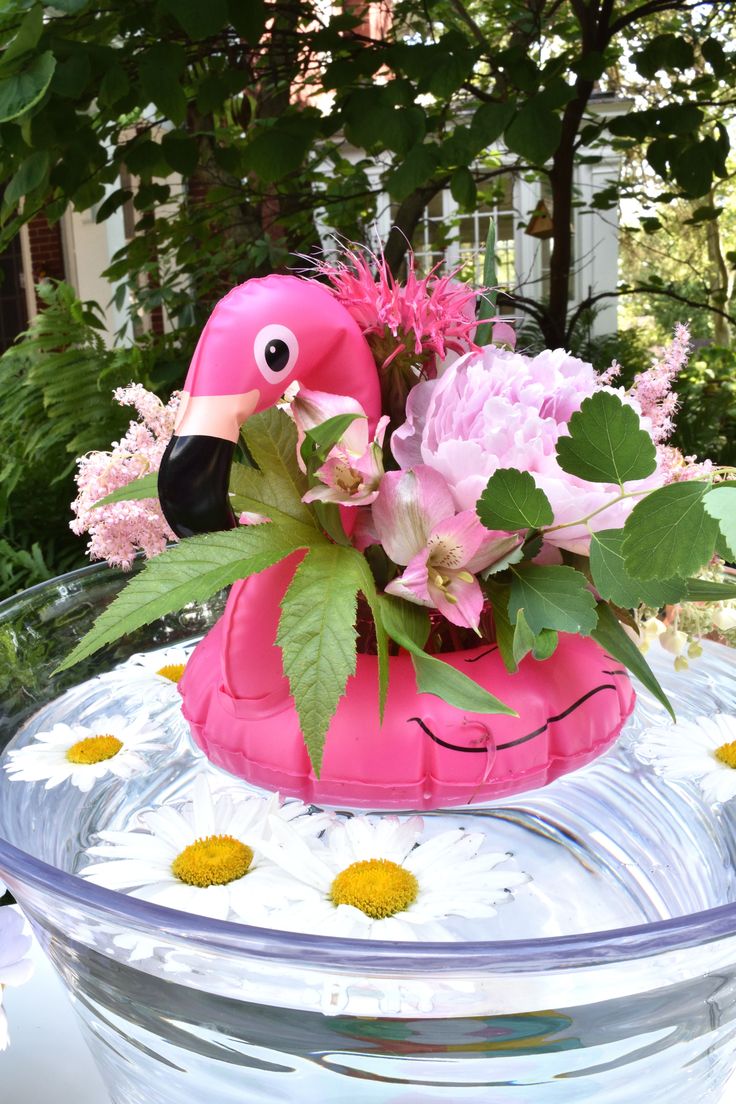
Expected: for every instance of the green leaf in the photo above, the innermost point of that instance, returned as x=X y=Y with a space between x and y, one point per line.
x=198 y=20
x=606 y=442
x=613 y=581
x=612 y=638
x=462 y=186
x=275 y=152
x=545 y=644
x=279 y=484
x=23 y=91
x=669 y=533
x=29 y=32
x=513 y=501
x=534 y=132
x=417 y=168
x=706 y=590
x=433 y=675
x=553 y=597
x=524 y=638
x=317 y=636
x=500 y=594
x=487 y=302
x=191 y=571
x=30 y=175
x=720 y=503
x=490 y=120
x=145 y=487
x=160 y=69
x=325 y=436
x=180 y=151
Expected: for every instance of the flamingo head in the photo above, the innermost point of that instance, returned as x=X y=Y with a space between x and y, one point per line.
x=264 y=335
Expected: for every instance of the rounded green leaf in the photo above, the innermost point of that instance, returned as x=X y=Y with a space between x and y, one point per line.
x=669 y=533
x=606 y=443
x=513 y=501
x=534 y=133
x=23 y=91
x=614 y=582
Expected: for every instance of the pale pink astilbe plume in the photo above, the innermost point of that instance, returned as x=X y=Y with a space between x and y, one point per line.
x=653 y=389
x=611 y=373
x=121 y=529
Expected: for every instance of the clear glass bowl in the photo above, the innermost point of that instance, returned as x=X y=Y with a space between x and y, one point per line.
x=179 y=1009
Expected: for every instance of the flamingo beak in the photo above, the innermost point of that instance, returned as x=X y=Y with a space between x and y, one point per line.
x=194 y=475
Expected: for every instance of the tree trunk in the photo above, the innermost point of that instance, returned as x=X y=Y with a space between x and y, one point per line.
x=406 y=221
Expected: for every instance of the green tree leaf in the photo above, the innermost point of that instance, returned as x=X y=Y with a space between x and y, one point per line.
x=720 y=503
x=30 y=175
x=433 y=675
x=29 y=32
x=512 y=501
x=490 y=120
x=553 y=597
x=191 y=571
x=534 y=132
x=197 y=19
x=23 y=91
x=160 y=68
x=669 y=533
x=145 y=487
x=416 y=169
x=606 y=442
x=462 y=186
x=613 y=581
x=317 y=636
x=612 y=638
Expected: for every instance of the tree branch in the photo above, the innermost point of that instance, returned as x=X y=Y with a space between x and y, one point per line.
x=668 y=293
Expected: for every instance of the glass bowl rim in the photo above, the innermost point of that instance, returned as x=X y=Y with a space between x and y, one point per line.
x=517 y=956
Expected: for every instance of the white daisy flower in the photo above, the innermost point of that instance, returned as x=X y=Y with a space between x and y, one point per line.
x=700 y=750
x=369 y=879
x=15 y=968
x=166 y=663
x=82 y=755
x=200 y=857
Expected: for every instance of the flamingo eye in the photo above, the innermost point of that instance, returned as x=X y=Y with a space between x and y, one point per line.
x=275 y=351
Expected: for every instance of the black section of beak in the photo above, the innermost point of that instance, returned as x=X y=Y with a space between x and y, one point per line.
x=193 y=484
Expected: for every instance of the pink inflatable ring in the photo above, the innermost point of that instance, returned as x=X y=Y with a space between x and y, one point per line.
x=426 y=754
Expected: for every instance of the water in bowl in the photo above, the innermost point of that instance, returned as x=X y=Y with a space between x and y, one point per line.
x=612 y=846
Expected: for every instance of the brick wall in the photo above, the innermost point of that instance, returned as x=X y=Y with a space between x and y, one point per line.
x=47 y=253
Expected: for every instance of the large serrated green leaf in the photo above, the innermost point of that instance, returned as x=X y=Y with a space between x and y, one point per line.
x=317 y=636
x=191 y=571
x=513 y=501
x=614 y=640
x=145 y=487
x=606 y=442
x=271 y=439
x=613 y=581
x=553 y=597
x=720 y=503
x=669 y=533
x=433 y=675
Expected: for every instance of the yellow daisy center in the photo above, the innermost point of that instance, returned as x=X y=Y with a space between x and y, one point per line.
x=214 y=860
x=172 y=671
x=726 y=754
x=94 y=749
x=378 y=887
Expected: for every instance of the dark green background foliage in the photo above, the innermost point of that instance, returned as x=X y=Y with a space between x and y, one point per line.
x=93 y=95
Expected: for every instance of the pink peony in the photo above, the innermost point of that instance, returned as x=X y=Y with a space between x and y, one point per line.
x=500 y=409
x=119 y=530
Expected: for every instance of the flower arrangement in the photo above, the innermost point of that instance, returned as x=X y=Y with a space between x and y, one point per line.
x=500 y=497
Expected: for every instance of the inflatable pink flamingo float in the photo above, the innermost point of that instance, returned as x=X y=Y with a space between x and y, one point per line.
x=261 y=337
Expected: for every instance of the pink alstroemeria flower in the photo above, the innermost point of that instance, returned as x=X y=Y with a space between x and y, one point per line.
x=354 y=466
x=415 y=518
